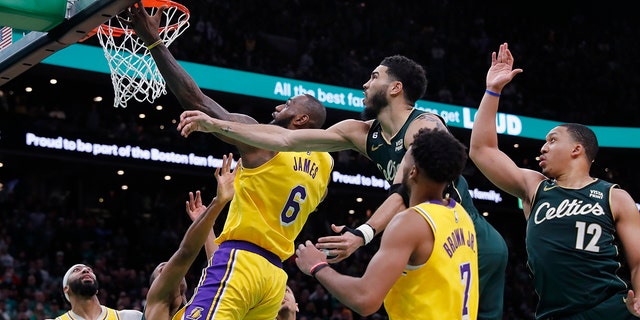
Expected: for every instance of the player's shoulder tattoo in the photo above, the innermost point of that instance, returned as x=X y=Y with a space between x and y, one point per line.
x=432 y=118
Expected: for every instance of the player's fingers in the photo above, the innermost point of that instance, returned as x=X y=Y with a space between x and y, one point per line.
x=337 y=229
x=198 y=198
x=161 y=10
x=337 y=258
x=331 y=239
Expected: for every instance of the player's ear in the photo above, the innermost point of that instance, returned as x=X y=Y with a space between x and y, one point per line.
x=396 y=88
x=577 y=150
x=301 y=120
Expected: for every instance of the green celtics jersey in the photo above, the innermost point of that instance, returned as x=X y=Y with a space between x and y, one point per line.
x=388 y=154
x=492 y=249
x=571 y=247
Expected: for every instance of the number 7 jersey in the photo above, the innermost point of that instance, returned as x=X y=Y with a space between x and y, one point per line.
x=446 y=286
x=571 y=247
x=273 y=201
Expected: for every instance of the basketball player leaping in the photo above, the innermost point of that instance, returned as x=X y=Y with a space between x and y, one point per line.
x=279 y=191
x=574 y=221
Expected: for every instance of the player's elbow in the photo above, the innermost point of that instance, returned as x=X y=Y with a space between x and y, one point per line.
x=366 y=305
x=285 y=143
x=475 y=152
x=184 y=253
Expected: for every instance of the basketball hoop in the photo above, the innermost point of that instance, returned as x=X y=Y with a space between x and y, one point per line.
x=134 y=73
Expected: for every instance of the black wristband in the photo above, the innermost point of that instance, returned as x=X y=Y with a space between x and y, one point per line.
x=318 y=268
x=402 y=191
x=354 y=231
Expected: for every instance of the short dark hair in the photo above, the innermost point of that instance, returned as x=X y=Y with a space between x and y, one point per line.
x=317 y=112
x=439 y=154
x=584 y=136
x=410 y=73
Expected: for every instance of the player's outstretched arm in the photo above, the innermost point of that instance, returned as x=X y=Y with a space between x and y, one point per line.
x=272 y=137
x=343 y=245
x=195 y=208
x=484 y=152
x=169 y=279
x=178 y=80
x=365 y=295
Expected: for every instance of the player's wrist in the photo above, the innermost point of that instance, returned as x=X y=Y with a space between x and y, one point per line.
x=154 y=44
x=402 y=191
x=368 y=232
x=493 y=92
x=317 y=267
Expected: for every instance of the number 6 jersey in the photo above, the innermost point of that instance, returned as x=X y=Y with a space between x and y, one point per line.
x=273 y=201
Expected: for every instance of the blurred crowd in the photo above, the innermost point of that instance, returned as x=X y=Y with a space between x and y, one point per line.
x=576 y=66
x=577 y=60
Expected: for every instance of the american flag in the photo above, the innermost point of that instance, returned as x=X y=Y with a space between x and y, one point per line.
x=6 y=37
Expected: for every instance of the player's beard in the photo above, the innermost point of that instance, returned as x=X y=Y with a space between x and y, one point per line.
x=84 y=289
x=284 y=122
x=284 y=311
x=405 y=183
x=377 y=102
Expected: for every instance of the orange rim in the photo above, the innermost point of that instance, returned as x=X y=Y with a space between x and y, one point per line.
x=117 y=31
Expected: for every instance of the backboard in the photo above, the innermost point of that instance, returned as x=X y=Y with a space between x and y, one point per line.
x=31 y=47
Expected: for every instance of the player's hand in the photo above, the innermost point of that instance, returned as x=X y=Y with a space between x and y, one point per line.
x=193 y=120
x=501 y=71
x=633 y=303
x=225 y=177
x=194 y=205
x=145 y=26
x=308 y=256
x=341 y=246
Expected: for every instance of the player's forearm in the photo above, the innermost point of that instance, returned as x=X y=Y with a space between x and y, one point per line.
x=385 y=212
x=350 y=291
x=201 y=228
x=269 y=137
x=635 y=278
x=181 y=84
x=484 y=134
x=210 y=245
x=187 y=91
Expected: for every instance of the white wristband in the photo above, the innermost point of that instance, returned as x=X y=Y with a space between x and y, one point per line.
x=368 y=232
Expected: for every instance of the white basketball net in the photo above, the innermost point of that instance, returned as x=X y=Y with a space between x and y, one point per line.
x=134 y=73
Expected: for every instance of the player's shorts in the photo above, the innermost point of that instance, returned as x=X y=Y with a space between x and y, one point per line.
x=243 y=281
x=613 y=308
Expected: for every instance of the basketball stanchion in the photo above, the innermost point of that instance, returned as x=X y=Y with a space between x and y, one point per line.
x=134 y=73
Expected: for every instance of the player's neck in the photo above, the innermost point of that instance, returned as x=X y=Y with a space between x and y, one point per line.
x=574 y=180
x=392 y=118
x=87 y=309
x=424 y=191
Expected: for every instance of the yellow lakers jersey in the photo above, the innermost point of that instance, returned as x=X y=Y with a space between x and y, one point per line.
x=110 y=314
x=446 y=286
x=273 y=201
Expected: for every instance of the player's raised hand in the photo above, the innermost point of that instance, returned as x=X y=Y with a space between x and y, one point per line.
x=501 y=71
x=146 y=26
x=194 y=205
x=225 y=177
